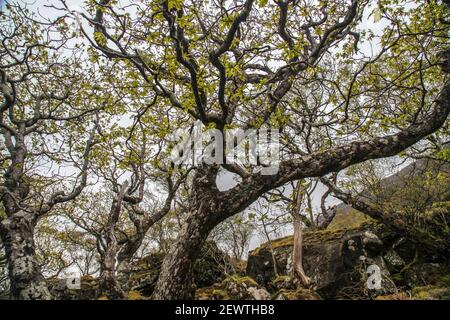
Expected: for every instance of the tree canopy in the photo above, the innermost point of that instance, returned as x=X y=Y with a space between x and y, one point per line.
x=91 y=95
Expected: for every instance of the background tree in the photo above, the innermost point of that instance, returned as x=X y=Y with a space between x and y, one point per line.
x=129 y=165
x=297 y=251
x=234 y=235
x=47 y=135
x=297 y=200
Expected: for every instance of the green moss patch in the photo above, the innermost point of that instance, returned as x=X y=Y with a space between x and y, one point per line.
x=299 y=294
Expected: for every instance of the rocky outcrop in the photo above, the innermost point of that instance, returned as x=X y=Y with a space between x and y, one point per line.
x=211 y=267
x=88 y=289
x=338 y=262
x=288 y=288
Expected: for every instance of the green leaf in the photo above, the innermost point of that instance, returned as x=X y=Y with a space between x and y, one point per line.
x=376 y=15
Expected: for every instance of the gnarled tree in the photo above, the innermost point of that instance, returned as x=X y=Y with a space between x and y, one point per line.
x=120 y=229
x=41 y=77
x=339 y=93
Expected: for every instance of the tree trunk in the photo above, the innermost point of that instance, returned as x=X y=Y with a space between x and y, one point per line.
x=272 y=252
x=175 y=281
x=123 y=274
x=27 y=282
x=115 y=275
x=297 y=252
x=110 y=286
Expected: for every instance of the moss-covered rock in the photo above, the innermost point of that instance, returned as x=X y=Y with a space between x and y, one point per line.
x=431 y=293
x=89 y=289
x=214 y=292
x=143 y=274
x=297 y=294
x=395 y=296
x=280 y=283
x=210 y=268
x=136 y=295
x=233 y=288
x=419 y=273
x=335 y=260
